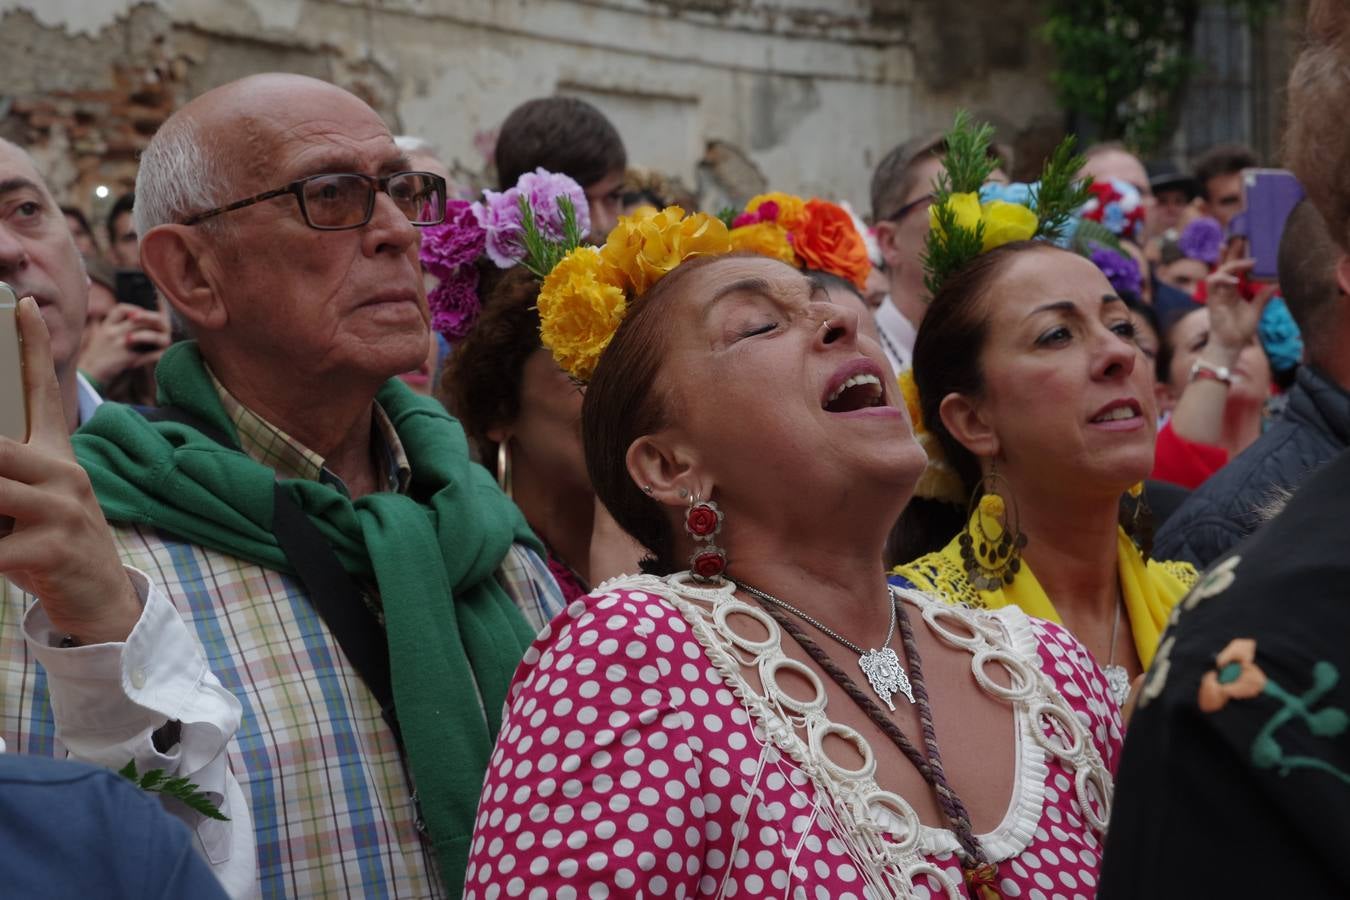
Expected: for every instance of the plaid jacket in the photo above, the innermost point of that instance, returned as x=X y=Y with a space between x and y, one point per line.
x=331 y=803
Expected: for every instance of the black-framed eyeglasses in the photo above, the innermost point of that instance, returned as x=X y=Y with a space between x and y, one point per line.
x=899 y=214
x=339 y=201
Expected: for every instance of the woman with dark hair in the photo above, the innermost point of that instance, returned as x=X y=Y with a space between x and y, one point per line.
x=1036 y=406
x=722 y=729
x=523 y=415
x=1041 y=406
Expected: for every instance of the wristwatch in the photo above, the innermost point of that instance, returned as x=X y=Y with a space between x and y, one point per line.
x=1201 y=369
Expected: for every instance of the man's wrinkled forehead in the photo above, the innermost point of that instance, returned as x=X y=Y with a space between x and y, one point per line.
x=271 y=149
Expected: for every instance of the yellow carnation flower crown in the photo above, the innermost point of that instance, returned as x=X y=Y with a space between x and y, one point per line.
x=586 y=295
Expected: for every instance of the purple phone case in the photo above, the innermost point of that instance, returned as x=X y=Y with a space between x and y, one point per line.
x=1271 y=194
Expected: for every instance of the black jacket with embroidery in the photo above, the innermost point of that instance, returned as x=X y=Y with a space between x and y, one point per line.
x=1314 y=429
x=1235 y=777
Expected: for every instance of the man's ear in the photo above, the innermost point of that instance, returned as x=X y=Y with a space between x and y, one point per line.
x=655 y=461
x=1343 y=274
x=175 y=258
x=966 y=421
x=885 y=232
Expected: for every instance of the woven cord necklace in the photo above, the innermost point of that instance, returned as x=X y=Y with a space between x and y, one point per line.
x=979 y=872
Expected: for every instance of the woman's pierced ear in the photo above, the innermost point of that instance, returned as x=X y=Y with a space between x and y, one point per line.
x=647 y=489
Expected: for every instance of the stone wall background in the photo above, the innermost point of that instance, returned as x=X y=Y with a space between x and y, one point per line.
x=808 y=93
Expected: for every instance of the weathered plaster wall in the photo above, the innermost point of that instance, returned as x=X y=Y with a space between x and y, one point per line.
x=813 y=91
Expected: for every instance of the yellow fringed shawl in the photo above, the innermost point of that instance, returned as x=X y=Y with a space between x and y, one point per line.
x=1151 y=589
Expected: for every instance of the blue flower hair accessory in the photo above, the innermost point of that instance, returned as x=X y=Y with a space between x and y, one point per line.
x=1280 y=336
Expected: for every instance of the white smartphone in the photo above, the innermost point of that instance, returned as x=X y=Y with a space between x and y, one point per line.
x=13 y=395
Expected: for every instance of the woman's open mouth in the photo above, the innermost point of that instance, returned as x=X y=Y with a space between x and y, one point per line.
x=861 y=391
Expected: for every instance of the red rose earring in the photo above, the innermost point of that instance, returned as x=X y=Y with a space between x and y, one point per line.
x=703 y=522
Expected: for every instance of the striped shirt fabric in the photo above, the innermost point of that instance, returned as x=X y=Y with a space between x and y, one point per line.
x=332 y=804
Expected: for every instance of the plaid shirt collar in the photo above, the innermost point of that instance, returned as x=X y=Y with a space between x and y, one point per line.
x=274 y=448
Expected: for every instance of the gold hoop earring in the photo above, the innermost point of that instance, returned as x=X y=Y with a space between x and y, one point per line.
x=991 y=561
x=504 y=469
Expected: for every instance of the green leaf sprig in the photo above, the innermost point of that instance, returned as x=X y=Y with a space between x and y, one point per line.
x=1060 y=193
x=966 y=165
x=157 y=781
x=543 y=253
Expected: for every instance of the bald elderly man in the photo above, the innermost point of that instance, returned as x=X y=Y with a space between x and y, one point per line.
x=95 y=661
x=361 y=586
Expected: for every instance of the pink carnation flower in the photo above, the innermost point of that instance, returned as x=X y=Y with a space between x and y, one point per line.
x=454 y=304
x=498 y=214
x=543 y=188
x=458 y=241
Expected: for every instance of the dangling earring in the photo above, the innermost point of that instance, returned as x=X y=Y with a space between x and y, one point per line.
x=1138 y=524
x=703 y=522
x=504 y=468
x=991 y=562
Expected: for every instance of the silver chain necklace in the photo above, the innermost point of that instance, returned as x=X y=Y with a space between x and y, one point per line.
x=882 y=667
x=1117 y=678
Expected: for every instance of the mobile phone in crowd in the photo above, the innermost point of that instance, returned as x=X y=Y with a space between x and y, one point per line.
x=135 y=287
x=13 y=396
x=1269 y=196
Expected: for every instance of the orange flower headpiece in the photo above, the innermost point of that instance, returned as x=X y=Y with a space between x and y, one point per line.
x=807 y=234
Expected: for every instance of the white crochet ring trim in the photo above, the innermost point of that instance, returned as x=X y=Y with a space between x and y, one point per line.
x=881 y=828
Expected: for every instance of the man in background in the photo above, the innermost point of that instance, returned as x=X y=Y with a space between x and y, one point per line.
x=571 y=137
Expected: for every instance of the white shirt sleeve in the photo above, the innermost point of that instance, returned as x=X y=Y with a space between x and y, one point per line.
x=109 y=700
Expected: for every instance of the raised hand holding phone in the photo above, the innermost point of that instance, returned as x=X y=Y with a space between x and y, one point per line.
x=60 y=548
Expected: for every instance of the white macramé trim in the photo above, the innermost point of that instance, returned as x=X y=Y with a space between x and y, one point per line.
x=890 y=868
x=1026 y=806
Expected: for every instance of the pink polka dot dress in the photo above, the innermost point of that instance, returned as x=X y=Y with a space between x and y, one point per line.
x=637 y=761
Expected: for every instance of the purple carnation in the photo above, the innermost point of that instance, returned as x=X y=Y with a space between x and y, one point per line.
x=1202 y=239
x=1119 y=269
x=454 y=304
x=499 y=215
x=458 y=241
x=543 y=188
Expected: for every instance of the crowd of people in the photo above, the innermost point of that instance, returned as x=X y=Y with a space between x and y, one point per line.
x=565 y=540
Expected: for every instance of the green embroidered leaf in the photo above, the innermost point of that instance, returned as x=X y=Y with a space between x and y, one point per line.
x=156 y=781
x=1328 y=723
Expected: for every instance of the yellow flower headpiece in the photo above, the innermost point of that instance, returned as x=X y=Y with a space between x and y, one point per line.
x=965 y=221
x=586 y=296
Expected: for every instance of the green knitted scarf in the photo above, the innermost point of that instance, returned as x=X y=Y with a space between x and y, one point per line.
x=450 y=625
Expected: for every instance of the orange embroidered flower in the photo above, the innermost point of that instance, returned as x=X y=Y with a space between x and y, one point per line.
x=1235 y=676
x=766 y=239
x=828 y=240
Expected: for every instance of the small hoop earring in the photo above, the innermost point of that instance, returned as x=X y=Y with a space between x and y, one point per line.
x=703 y=522
x=991 y=561
x=504 y=469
